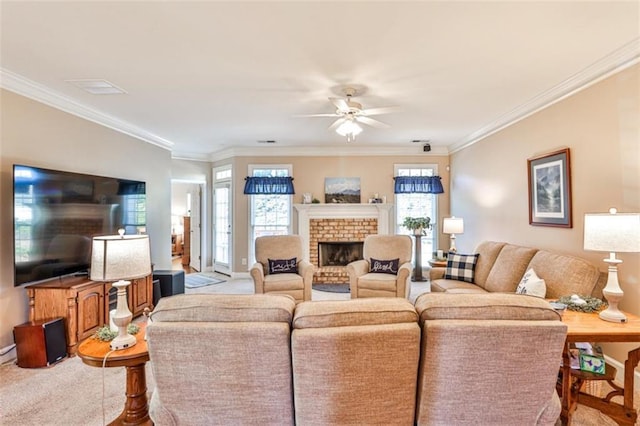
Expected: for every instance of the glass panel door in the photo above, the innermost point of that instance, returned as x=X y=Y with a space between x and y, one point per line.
x=222 y=228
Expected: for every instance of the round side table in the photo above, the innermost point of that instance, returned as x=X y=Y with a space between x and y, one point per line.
x=136 y=408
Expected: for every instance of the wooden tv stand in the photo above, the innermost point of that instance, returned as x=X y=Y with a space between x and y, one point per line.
x=84 y=304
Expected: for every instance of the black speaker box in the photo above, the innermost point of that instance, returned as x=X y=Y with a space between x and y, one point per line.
x=40 y=343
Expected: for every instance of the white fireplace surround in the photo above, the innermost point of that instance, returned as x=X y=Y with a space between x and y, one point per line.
x=382 y=212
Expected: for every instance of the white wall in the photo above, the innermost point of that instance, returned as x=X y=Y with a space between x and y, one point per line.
x=35 y=134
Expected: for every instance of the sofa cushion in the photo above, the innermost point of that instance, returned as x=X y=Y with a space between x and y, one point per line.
x=224 y=308
x=283 y=266
x=384 y=266
x=461 y=267
x=564 y=274
x=282 y=282
x=342 y=313
x=508 y=269
x=488 y=253
x=451 y=285
x=488 y=306
x=377 y=281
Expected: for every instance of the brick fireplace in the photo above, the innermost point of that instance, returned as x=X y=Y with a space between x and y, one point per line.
x=340 y=226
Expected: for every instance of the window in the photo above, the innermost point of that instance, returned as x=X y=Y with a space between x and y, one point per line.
x=417 y=205
x=135 y=215
x=23 y=211
x=269 y=214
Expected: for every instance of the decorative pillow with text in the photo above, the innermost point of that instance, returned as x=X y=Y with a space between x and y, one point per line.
x=384 y=266
x=461 y=267
x=532 y=285
x=283 y=266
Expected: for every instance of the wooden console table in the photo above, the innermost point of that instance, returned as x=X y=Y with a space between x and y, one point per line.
x=583 y=327
x=136 y=408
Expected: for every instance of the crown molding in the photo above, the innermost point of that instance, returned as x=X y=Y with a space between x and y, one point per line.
x=190 y=156
x=618 y=60
x=38 y=92
x=319 y=151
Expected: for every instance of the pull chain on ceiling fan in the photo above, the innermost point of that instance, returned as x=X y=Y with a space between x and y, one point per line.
x=350 y=113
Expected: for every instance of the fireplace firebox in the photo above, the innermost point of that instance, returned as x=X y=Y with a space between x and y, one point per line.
x=333 y=253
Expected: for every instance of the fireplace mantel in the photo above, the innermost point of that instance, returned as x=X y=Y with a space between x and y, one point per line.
x=382 y=212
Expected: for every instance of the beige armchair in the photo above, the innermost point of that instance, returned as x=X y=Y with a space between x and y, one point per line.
x=488 y=359
x=282 y=247
x=375 y=284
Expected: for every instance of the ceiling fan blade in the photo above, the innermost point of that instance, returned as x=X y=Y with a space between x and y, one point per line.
x=381 y=110
x=371 y=122
x=317 y=115
x=340 y=103
x=336 y=124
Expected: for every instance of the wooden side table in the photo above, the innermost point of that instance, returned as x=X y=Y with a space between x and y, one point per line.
x=438 y=263
x=584 y=327
x=136 y=408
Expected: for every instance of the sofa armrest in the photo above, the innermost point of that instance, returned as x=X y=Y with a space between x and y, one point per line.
x=437 y=273
x=402 y=283
x=257 y=273
x=356 y=269
x=306 y=270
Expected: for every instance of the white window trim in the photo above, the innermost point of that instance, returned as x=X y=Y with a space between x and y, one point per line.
x=250 y=169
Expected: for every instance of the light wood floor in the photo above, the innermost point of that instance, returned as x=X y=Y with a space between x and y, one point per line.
x=176 y=265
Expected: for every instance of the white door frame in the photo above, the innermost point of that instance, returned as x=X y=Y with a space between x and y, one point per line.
x=203 y=214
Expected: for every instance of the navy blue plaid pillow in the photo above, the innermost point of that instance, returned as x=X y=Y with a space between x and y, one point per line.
x=283 y=266
x=461 y=267
x=384 y=266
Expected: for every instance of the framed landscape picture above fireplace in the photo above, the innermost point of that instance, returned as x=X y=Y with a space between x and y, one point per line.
x=341 y=190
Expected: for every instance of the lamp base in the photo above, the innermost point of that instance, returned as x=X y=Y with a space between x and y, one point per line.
x=612 y=315
x=122 y=342
x=613 y=293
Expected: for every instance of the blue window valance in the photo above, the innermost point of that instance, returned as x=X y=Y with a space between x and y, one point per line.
x=418 y=185
x=268 y=185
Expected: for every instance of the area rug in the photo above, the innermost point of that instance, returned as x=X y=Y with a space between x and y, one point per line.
x=200 y=280
x=332 y=288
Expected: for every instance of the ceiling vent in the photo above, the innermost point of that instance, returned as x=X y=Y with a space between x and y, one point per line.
x=97 y=87
x=267 y=141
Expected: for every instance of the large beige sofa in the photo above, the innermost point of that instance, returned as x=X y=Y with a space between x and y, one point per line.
x=261 y=359
x=500 y=267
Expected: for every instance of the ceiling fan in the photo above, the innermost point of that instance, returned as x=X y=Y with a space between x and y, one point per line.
x=350 y=113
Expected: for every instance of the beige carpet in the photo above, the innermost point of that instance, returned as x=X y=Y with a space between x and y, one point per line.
x=71 y=393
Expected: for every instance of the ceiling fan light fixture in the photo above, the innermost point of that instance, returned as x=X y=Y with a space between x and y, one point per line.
x=349 y=128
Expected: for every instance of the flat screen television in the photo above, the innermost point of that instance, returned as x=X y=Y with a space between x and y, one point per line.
x=56 y=213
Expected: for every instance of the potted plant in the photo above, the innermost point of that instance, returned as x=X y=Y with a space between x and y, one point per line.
x=417 y=224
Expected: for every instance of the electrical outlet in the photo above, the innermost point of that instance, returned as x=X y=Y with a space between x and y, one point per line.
x=244 y=260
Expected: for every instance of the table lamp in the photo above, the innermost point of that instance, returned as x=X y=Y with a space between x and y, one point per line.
x=119 y=258
x=453 y=225
x=612 y=232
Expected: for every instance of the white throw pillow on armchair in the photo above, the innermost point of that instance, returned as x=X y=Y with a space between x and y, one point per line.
x=532 y=285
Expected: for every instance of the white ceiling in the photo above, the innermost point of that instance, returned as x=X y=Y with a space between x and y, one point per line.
x=206 y=79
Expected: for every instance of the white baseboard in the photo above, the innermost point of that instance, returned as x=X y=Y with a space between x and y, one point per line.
x=620 y=372
x=10 y=354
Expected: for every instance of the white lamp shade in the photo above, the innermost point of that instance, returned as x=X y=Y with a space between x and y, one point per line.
x=115 y=257
x=612 y=232
x=453 y=225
